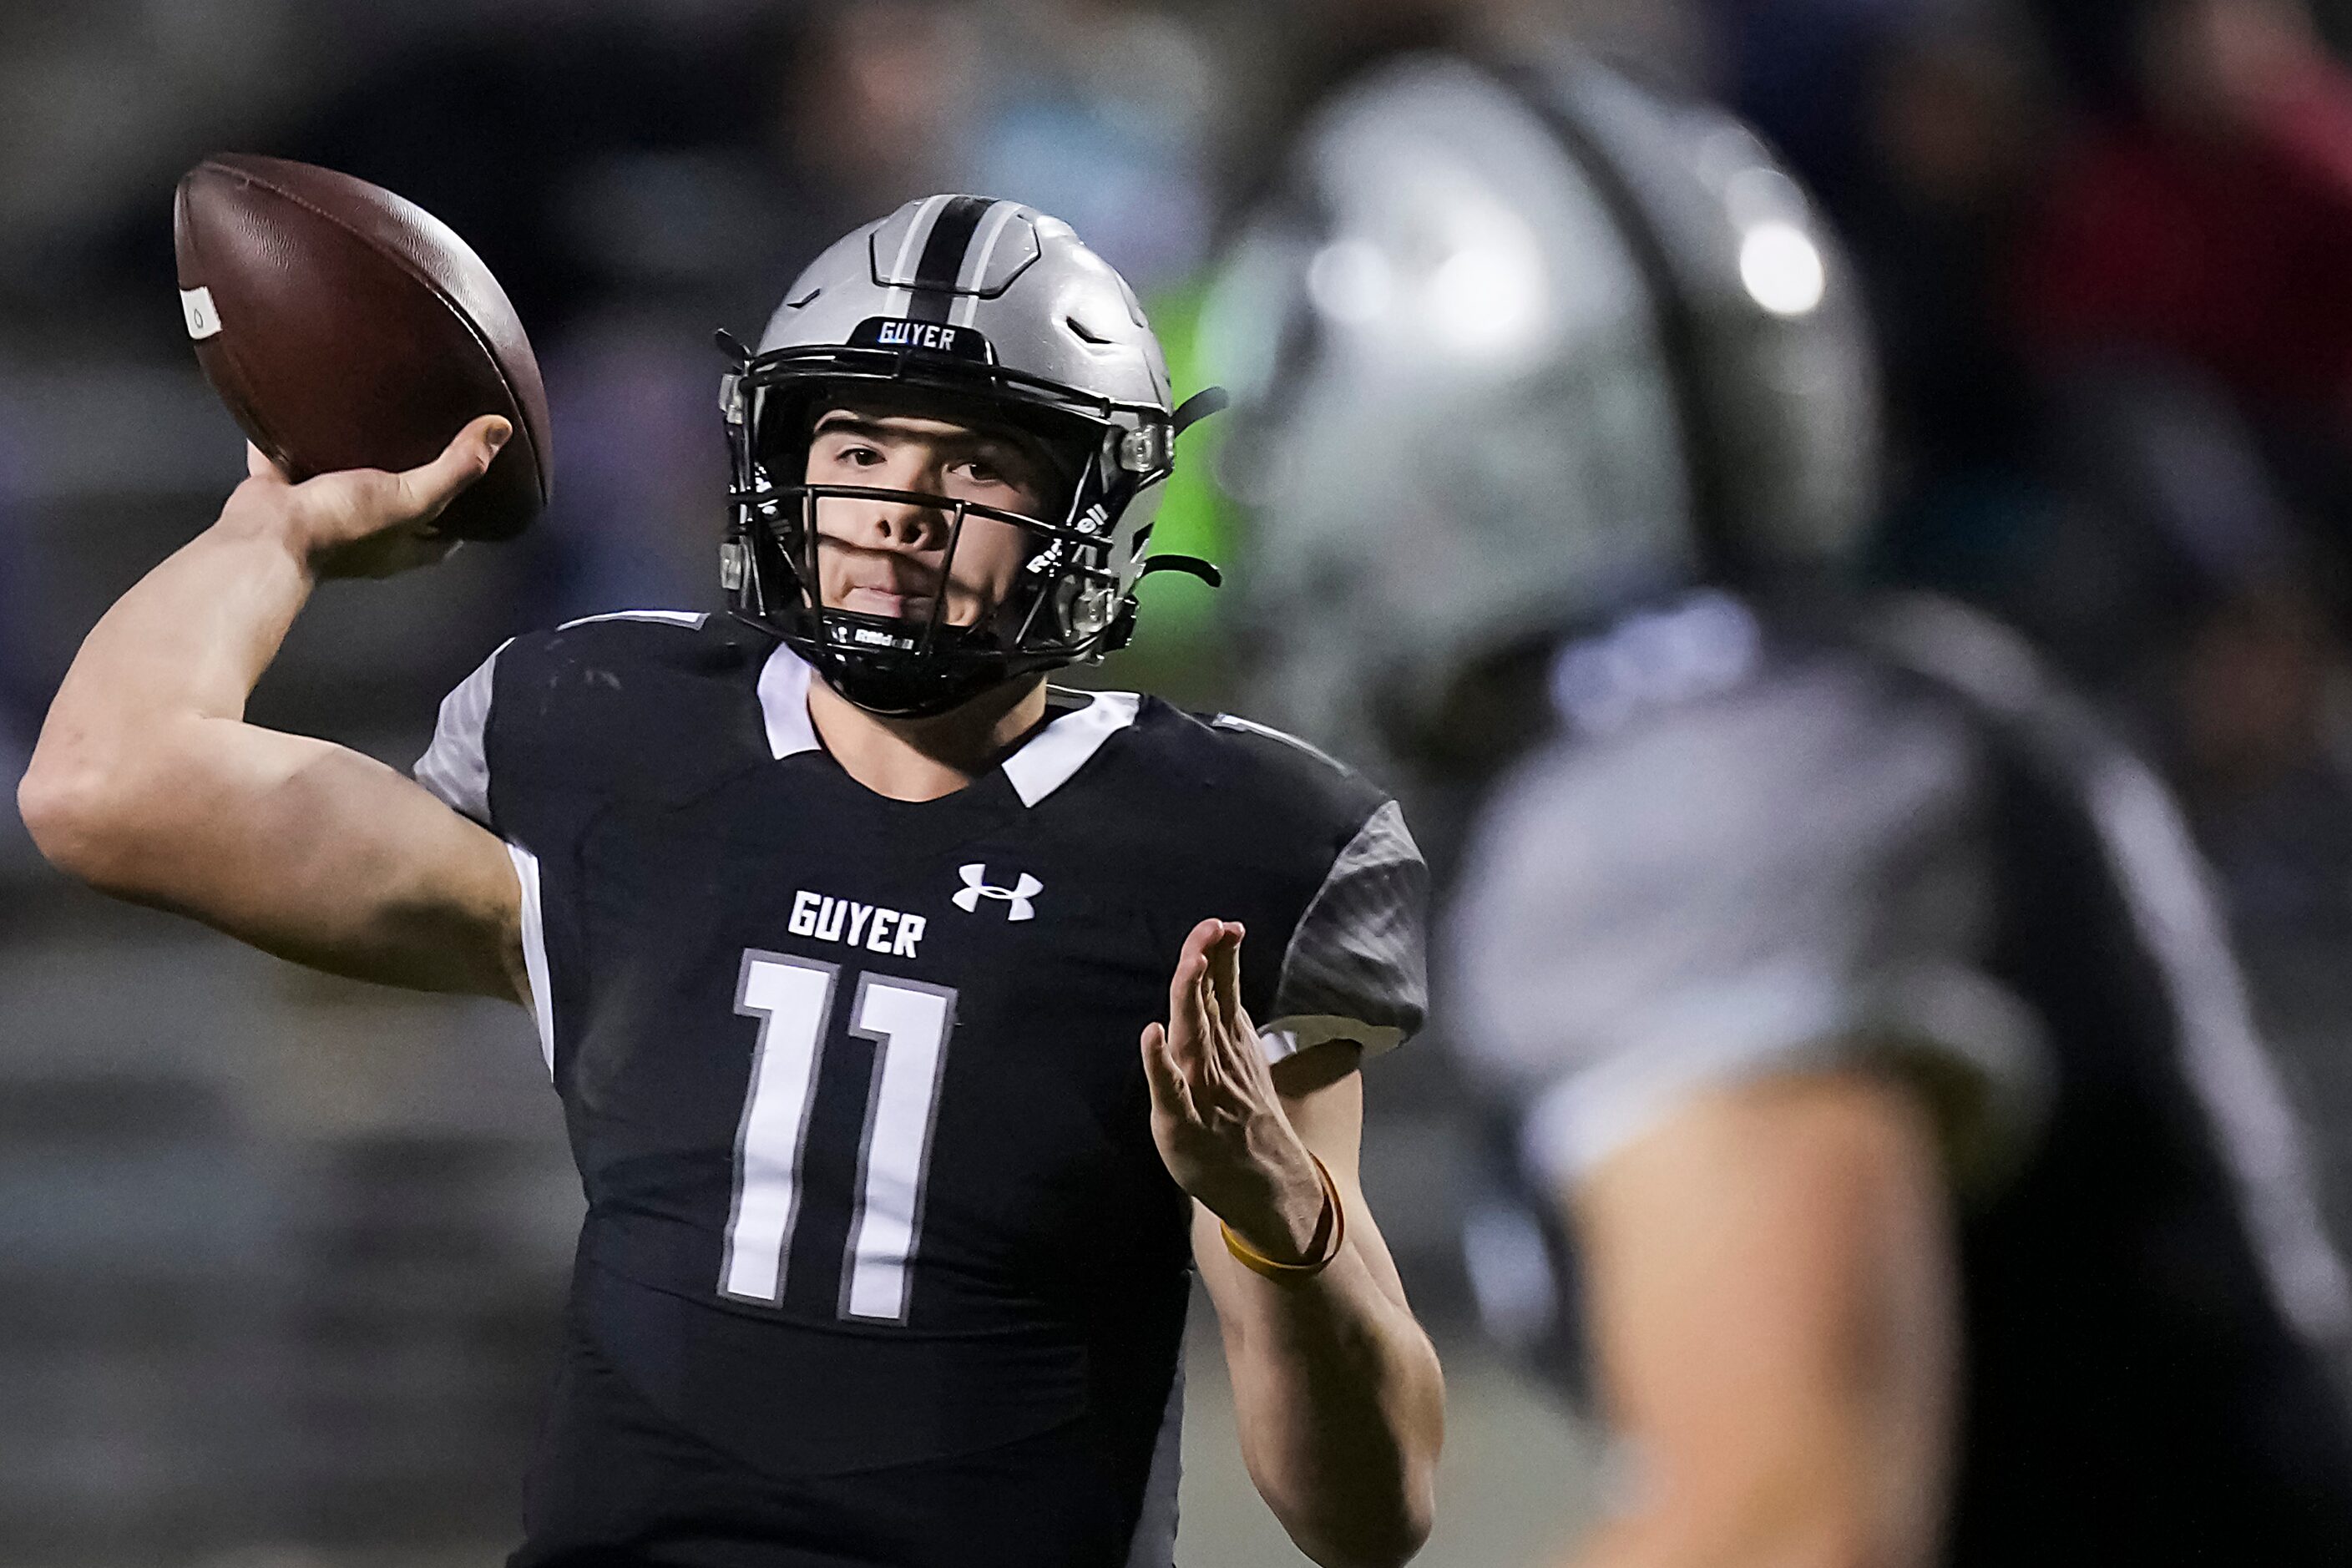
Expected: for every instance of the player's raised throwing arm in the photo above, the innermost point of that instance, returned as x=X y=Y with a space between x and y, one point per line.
x=148 y=784
x=1341 y=1402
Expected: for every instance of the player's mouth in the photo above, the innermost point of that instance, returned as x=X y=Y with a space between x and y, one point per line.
x=887 y=602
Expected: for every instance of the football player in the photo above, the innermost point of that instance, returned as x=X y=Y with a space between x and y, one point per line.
x=849 y=944
x=1886 y=1147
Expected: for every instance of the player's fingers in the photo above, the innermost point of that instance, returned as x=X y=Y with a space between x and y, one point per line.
x=1225 y=971
x=425 y=491
x=1199 y=1008
x=1216 y=995
x=1180 y=982
x=1168 y=1090
x=1188 y=1022
x=1183 y=984
x=1222 y=1073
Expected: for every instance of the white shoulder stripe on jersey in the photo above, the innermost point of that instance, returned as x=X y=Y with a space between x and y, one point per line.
x=540 y=1001
x=455 y=767
x=1252 y=726
x=1066 y=745
x=2233 y=1075
x=693 y=618
x=783 y=704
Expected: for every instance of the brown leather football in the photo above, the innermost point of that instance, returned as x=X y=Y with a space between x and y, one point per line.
x=347 y=327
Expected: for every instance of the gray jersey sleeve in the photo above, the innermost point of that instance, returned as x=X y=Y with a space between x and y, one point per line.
x=457 y=766
x=1788 y=878
x=1356 y=968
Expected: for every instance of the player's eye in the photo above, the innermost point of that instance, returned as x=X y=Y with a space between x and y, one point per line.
x=981 y=470
x=858 y=456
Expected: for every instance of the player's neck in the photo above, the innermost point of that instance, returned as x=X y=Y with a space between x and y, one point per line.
x=923 y=759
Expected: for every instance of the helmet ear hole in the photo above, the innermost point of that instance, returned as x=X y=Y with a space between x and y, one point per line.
x=1083 y=609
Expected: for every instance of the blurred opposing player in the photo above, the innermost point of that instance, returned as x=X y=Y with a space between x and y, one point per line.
x=850 y=948
x=1873 y=1085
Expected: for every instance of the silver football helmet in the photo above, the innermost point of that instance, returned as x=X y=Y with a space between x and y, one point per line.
x=1515 y=354
x=1001 y=311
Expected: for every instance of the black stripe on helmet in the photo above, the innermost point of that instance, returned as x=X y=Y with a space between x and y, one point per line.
x=1680 y=326
x=942 y=259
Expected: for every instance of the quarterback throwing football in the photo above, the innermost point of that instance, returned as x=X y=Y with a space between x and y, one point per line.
x=849 y=945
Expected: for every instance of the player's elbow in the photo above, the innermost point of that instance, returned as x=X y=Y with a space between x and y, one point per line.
x=79 y=813
x=1408 y=1532
x=1391 y=1548
x=1386 y=1536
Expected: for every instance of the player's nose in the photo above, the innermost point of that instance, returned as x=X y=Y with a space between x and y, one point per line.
x=907 y=525
x=911 y=525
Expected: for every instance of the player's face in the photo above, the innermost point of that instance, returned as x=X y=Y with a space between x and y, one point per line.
x=890 y=558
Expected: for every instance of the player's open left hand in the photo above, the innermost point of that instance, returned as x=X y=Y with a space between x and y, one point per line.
x=365 y=522
x=1216 y=1114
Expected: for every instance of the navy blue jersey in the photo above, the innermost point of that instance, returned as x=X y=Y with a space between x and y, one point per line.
x=1908 y=851
x=854 y=1084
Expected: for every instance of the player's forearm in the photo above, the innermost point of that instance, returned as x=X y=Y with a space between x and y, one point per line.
x=142 y=703
x=1341 y=1406
x=195 y=633
x=1788 y=1480
x=1792 y=1520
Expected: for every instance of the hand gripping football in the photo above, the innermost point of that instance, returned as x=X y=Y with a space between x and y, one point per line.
x=346 y=328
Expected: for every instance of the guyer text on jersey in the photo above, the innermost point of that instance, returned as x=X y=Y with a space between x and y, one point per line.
x=854 y=924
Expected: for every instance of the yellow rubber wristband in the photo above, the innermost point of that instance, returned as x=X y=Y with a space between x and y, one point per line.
x=1331 y=1235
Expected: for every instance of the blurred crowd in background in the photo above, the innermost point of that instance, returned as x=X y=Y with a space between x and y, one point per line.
x=279 y=1258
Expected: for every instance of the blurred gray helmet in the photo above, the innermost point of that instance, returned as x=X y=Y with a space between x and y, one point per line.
x=1001 y=311
x=1514 y=355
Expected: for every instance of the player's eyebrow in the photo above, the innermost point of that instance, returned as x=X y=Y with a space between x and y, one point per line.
x=961 y=438
x=842 y=421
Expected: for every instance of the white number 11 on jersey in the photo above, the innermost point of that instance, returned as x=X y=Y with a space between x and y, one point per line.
x=909 y=1023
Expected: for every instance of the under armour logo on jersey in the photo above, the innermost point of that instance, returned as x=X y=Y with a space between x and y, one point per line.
x=976 y=887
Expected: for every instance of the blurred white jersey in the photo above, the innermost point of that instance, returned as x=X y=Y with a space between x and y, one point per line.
x=1907 y=850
